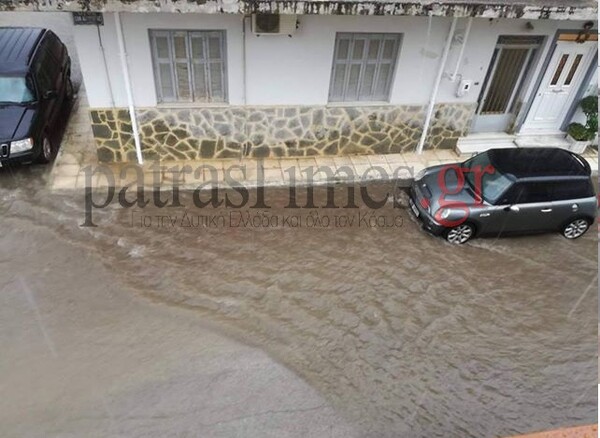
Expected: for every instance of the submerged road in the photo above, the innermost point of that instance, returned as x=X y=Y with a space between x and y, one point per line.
x=365 y=328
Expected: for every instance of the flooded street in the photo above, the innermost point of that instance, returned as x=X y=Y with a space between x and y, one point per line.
x=397 y=333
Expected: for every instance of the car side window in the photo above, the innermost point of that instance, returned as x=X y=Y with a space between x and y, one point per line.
x=43 y=80
x=574 y=189
x=46 y=68
x=54 y=46
x=509 y=195
x=527 y=193
x=535 y=192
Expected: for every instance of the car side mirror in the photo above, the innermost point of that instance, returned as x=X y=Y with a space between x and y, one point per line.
x=513 y=208
x=50 y=94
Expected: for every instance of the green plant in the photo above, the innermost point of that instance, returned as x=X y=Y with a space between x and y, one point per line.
x=579 y=132
x=589 y=106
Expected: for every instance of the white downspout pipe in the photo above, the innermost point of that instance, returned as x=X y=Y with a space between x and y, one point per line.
x=436 y=87
x=125 y=70
x=244 y=49
x=462 y=48
x=107 y=74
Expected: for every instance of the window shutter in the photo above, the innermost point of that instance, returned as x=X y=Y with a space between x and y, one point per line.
x=163 y=66
x=190 y=65
x=363 y=66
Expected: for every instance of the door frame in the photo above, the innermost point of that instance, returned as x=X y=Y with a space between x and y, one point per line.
x=538 y=81
x=579 y=95
x=532 y=61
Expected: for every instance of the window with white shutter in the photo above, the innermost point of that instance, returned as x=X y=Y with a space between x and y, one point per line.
x=189 y=66
x=363 y=66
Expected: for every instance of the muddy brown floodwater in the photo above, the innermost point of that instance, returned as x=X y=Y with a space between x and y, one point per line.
x=405 y=335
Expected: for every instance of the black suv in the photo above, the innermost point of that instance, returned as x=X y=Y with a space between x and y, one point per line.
x=35 y=81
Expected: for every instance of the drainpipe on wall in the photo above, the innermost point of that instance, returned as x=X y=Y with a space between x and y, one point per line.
x=125 y=68
x=108 y=83
x=246 y=145
x=436 y=87
x=462 y=48
x=245 y=80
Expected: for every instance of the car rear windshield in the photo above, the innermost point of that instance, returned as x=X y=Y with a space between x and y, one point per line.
x=14 y=89
x=491 y=184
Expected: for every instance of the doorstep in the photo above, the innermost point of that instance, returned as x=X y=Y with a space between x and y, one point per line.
x=474 y=143
x=555 y=140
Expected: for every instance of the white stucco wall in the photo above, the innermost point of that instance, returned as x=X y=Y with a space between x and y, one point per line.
x=287 y=71
x=283 y=70
x=137 y=42
x=103 y=81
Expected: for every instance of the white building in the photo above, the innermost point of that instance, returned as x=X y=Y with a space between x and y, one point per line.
x=259 y=78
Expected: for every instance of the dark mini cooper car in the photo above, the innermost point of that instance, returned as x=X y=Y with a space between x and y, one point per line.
x=35 y=80
x=506 y=191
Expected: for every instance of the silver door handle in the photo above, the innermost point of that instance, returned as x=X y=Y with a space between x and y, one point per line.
x=484 y=215
x=546 y=210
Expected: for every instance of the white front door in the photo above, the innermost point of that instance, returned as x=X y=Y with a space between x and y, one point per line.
x=559 y=86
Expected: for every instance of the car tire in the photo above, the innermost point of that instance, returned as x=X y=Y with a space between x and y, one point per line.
x=576 y=228
x=47 y=151
x=460 y=234
x=70 y=92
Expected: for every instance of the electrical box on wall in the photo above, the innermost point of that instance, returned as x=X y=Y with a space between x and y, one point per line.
x=274 y=24
x=464 y=86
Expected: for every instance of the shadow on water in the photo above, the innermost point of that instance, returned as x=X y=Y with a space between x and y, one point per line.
x=403 y=333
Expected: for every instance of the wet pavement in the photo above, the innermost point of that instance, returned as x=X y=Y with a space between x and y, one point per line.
x=383 y=330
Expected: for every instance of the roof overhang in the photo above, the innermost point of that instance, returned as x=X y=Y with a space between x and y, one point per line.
x=530 y=9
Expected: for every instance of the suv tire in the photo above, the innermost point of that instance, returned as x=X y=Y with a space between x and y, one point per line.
x=47 y=151
x=576 y=228
x=70 y=92
x=460 y=234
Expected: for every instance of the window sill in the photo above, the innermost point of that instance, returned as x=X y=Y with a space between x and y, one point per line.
x=359 y=103
x=177 y=105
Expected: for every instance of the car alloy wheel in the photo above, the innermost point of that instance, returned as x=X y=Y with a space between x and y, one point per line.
x=460 y=234
x=576 y=229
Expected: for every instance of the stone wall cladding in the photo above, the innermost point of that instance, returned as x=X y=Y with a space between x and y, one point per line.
x=233 y=132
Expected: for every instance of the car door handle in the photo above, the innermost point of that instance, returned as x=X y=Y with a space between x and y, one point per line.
x=575 y=207
x=546 y=210
x=484 y=215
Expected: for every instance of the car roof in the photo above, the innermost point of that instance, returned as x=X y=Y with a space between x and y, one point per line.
x=538 y=162
x=17 y=46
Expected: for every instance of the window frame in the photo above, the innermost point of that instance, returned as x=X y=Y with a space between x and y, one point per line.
x=191 y=62
x=348 y=62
